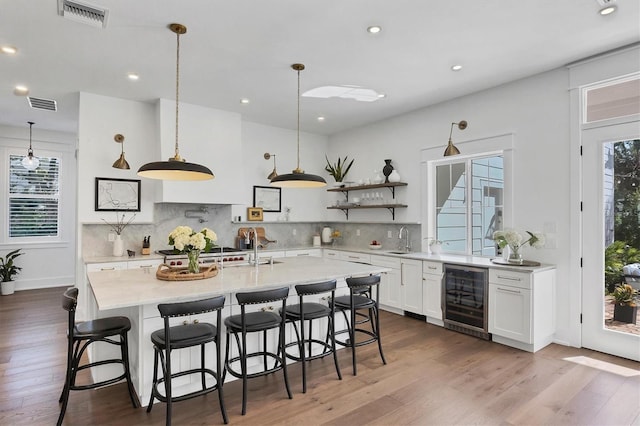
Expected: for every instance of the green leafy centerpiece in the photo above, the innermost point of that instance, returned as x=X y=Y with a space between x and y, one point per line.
x=186 y=240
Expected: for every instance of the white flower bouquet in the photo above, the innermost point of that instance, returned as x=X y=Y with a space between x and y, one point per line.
x=185 y=239
x=516 y=241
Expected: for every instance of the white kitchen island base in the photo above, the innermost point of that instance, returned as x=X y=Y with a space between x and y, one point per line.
x=136 y=294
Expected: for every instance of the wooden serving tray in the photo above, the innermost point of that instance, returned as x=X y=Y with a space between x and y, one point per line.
x=172 y=273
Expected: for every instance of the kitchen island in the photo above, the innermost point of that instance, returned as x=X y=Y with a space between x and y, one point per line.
x=135 y=293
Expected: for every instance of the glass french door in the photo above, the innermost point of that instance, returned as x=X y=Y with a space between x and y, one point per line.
x=599 y=203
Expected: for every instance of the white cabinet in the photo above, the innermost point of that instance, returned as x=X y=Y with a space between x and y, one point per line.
x=390 y=294
x=411 y=285
x=348 y=256
x=304 y=252
x=432 y=291
x=144 y=264
x=522 y=308
x=209 y=137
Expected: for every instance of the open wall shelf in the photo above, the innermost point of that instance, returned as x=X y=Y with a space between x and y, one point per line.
x=390 y=206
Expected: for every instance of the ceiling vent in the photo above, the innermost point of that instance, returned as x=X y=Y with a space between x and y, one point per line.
x=39 y=103
x=84 y=13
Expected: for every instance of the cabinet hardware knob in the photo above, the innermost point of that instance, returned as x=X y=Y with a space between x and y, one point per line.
x=185 y=322
x=196 y=321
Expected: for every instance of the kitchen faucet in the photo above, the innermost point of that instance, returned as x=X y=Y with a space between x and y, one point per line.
x=407 y=244
x=255 y=244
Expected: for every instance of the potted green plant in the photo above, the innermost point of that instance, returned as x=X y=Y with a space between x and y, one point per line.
x=7 y=270
x=339 y=169
x=625 y=308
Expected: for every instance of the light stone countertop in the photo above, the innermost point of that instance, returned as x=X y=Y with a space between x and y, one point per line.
x=136 y=287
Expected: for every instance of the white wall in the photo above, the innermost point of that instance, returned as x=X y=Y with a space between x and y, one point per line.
x=43 y=264
x=306 y=204
x=536 y=111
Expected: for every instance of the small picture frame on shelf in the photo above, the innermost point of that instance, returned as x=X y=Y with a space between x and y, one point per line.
x=255 y=214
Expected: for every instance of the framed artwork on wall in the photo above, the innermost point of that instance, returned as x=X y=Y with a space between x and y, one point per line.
x=267 y=197
x=254 y=214
x=114 y=195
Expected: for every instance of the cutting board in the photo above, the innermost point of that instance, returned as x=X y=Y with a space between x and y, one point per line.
x=262 y=238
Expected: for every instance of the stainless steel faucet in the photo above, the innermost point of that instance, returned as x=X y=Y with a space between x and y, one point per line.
x=407 y=243
x=255 y=244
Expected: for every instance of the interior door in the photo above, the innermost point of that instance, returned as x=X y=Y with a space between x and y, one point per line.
x=594 y=333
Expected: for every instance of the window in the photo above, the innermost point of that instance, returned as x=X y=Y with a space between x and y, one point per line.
x=469 y=203
x=33 y=208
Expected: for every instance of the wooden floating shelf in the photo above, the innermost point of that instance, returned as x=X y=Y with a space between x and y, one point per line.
x=392 y=208
x=372 y=186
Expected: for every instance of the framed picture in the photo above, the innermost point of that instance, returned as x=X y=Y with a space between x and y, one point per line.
x=267 y=197
x=114 y=195
x=254 y=214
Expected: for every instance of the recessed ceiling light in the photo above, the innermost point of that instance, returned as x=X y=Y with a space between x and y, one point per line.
x=133 y=76
x=244 y=101
x=9 y=50
x=321 y=118
x=21 y=90
x=456 y=67
x=608 y=10
x=374 y=29
x=381 y=95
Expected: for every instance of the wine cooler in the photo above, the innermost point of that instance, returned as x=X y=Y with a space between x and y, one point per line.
x=465 y=293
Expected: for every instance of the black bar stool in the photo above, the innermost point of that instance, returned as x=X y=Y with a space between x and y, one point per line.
x=80 y=336
x=251 y=322
x=361 y=297
x=186 y=336
x=308 y=311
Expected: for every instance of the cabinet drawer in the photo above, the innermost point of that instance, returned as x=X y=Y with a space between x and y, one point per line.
x=356 y=257
x=149 y=263
x=510 y=278
x=331 y=254
x=431 y=267
x=386 y=261
x=110 y=266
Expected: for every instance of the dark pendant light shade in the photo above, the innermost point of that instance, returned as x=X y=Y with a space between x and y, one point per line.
x=176 y=168
x=451 y=148
x=30 y=162
x=298 y=178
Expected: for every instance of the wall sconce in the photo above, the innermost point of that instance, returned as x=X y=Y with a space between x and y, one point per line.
x=273 y=174
x=120 y=163
x=451 y=148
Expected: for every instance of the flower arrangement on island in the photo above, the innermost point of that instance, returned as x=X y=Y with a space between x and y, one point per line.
x=186 y=240
x=516 y=241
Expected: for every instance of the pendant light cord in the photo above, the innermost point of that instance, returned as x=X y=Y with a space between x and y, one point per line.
x=30 y=152
x=298 y=168
x=177 y=88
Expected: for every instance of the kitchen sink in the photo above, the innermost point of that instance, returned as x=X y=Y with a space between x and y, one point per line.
x=399 y=252
x=244 y=264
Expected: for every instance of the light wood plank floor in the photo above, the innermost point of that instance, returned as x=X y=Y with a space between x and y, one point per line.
x=433 y=376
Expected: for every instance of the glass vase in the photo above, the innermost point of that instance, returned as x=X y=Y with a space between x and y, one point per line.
x=194 y=266
x=515 y=256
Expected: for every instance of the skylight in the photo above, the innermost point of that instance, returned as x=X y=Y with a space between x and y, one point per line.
x=346 y=92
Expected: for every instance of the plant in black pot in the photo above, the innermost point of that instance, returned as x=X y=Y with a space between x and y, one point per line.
x=625 y=308
x=8 y=269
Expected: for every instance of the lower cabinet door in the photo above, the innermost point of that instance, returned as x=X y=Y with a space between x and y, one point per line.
x=411 y=279
x=510 y=312
x=432 y=295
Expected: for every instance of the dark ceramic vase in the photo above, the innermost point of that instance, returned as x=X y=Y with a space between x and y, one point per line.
x=386 y=170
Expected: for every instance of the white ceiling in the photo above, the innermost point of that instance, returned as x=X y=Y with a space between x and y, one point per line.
x=244 y=48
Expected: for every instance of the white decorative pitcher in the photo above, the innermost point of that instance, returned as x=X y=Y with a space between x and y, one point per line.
x=394 y=176
x=118 y=246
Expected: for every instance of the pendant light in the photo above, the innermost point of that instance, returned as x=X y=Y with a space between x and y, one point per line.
x=268 y=156
x=298 y=178
x=451 y=148
x=176 y=168
x=30 y=162
x=120 y=163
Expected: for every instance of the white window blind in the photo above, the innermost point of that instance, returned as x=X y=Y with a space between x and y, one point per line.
x=34 y=198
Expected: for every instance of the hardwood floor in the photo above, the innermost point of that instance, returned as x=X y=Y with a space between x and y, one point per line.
x=433 y=376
